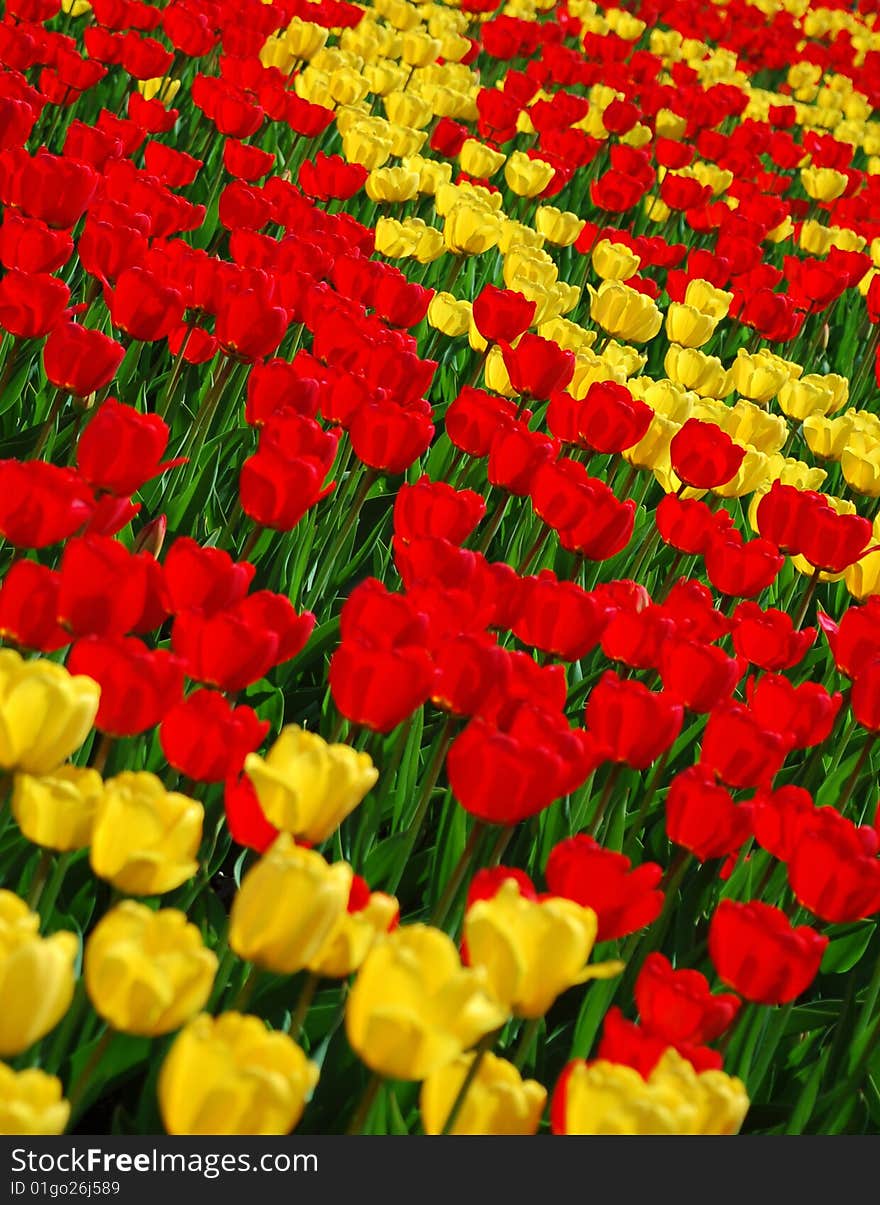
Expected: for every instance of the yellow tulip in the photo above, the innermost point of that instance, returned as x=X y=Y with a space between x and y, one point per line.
x=815 y=238
x=276 y=53
x=145 y=838
x=495 y=374
x=514 y=236
x=666 y=397
x=558 y=226
x=749 y=424
x=419 y=49
x=480 y=160
x=758 y=376
x=610 y=1098
x=305 y=38
x=532 y=950
x=74 y=8
x=414 y=1007
x=809 y=395
x=709 y=300
x=529 y=263
x=36 y=976
x=354 y=935
x=58 y=809
x=447 y=196
x=823 y=183
x=527 y=177
x=624 y=357
x=567 y=334
x=498 y=1099
x=232 y=1075
x=147 y=972
x=860 y=464
x=693 y=369
x=652 y=450
x=286 y=907
x=308 y=787
x=166 y=89
x=391 y=184
x=394 y=240
x=827 y=437
x=625 y=312
x=449 y=315
x=688 y=326
x=45 y=713
x=432 y=173
x=407 y=109
x=469 y=230
x=366 y=147
x=590 y=368
x=430 y=244
x=31 y=1102
x=406 y=142
x=863 y=577
x=614 y=261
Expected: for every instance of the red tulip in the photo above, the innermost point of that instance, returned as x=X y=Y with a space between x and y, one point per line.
x=833 y=868
x=633 y=724
x=244 y=817
x=740 y=749
x=702 y=817
x=204 y=579
x=41 y=503
x=537 y=367
x=558 y=617
x=29 y=607
x=207 y=739
x=31 y=303
x=235 y=647
x=678 y=1006
x=624 y=899
x=758 y=952
x=768 y=638
x=138 y=685
x=80 y=360
x=703 y=455
x=436 y=510
x=699 y=675
x=502 y=315
x=121 y=449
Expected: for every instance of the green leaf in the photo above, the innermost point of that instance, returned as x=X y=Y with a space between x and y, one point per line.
x=844 y=951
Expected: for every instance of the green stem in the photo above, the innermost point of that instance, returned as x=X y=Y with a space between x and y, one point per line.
x=78 y=1092
x=362 y=1113
x=485 y=1045
x=303 y=1004
x=415 y=826
x=444 y=903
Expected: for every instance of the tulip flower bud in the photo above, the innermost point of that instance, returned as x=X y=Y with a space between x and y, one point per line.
x=57 y=810
x=609 y=1098
x=498 y=1100
x=45 y=713
x=308 y=787
x=414 y=1007
x=287 y=906
x=31 y=1102
x=532 y=950
x=232 y=1075
x=36 y=976
x=145 y=838
x=147 y=972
